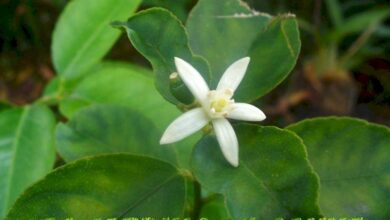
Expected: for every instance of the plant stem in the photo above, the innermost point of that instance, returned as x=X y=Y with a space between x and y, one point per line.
x=197 y=200
x=362 y=39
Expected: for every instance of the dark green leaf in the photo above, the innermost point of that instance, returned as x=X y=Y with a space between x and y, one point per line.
x=159 y=36
x=352 y=158
x=26 y=150
x=274 y=178
x=111 y=186
x=83 y=34
x=223 y=31
x=109 y=129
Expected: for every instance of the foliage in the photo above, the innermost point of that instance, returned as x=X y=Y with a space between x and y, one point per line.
x=112 y=113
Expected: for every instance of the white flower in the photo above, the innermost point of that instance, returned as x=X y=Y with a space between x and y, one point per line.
x=216 y=106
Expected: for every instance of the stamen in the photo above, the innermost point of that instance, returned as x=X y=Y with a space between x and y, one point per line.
x=173 y=76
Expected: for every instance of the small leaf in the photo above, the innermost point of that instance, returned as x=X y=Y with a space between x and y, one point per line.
x=352 y=158
x=83 y=34
x=110 y=129
x=274 y=178
x=26 y=149
x=159 y=36
x=225 y=30
x=361 y=21
x=279 y=41
x=111 y=186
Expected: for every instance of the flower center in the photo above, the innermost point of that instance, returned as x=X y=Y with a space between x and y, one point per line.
x=219 y=102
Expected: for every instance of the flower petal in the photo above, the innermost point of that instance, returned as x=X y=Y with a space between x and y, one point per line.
x=185 y=125
x=193 y=80
x=245 y=112
x=227 y=140
x=233 y=75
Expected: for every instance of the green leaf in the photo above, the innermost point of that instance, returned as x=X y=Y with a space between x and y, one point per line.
x=361 y=21
x=352 y=158
x=83 y=34
x=111 y=186
x=215 y=209
x=26 y=150
x=274 y=178
x=131 y=86
x=121 y=84
x=159 y=36
x=225 y=30
x=335 y=12
x=110 y=129
x=179 y=8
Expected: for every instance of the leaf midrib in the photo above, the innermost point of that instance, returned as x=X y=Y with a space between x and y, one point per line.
x=261 y=182
x=15 y=148
x=147 y=195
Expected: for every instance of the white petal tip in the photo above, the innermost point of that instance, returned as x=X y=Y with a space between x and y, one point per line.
x=246 y=59
x=177 y=59
x=165 y=140
x=262 y=116
x=234 y=163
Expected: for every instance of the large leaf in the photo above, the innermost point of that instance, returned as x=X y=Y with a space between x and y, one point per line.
x=111 y=186
x=352 y=158
x=110 y=129
x=274 y=178
x=223 y=31
x=83 y=34
x=131 y=86
x=26 y=150
x=159 y=36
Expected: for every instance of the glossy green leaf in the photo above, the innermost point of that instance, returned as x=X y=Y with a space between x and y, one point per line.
x=159 y=36
x=104 y=129
x=222 y=31
x=352 y=158
x=131 y=86
x=26 y=150
x=111 y=186
x=274 y=178
x=83 y=34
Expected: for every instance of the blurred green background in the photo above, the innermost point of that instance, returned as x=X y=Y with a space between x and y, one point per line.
x=343 y=69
